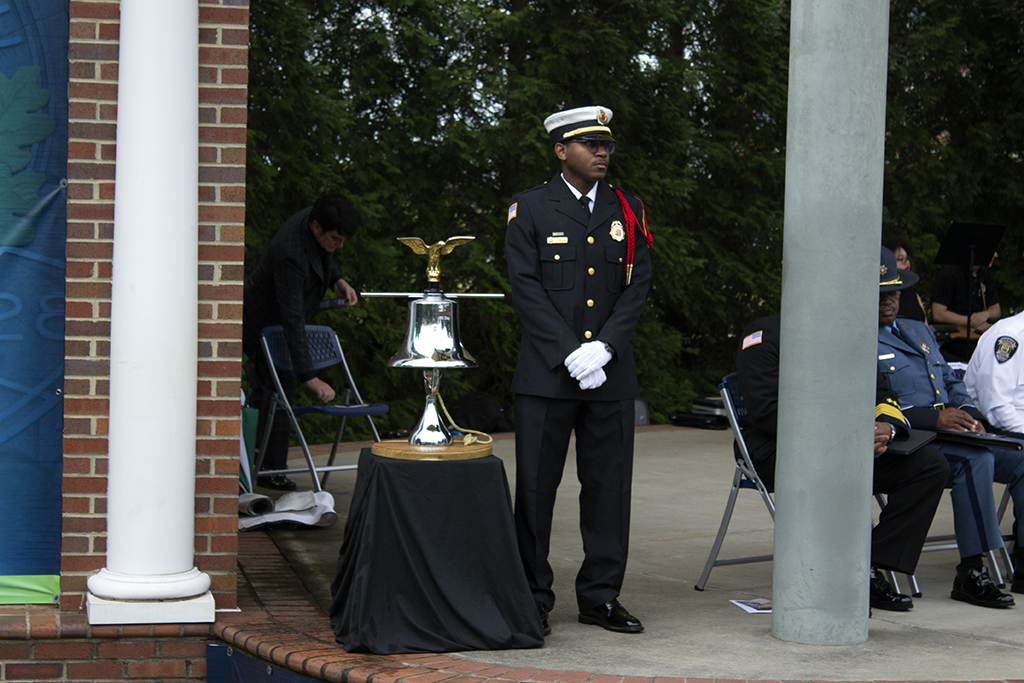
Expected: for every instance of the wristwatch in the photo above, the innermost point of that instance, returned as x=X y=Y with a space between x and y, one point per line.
x=892 y=432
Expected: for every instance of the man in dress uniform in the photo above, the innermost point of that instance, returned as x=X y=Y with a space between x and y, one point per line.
x=933 y=398
x=912 y=481
x=286 y=289
x=579 y=267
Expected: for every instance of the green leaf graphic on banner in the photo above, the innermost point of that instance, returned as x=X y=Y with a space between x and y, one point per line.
x=20 y=126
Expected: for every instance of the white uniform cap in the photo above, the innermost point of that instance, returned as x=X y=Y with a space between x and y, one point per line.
x=582 y=121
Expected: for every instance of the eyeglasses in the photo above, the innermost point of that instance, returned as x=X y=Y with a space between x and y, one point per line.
x=595 y=145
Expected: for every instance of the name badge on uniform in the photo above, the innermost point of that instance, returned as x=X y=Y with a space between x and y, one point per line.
x=558 y=238
x=886 y=356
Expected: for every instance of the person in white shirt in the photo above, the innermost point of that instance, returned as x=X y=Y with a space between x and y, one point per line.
x=995 y=375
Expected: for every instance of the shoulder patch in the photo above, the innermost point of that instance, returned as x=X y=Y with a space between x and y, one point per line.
x=512 y=212
x=752 y=339
x=1005 y=348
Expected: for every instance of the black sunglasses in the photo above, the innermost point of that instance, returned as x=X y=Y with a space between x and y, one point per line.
x=595 y=145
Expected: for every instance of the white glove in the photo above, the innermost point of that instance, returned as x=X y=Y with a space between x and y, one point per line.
x=593 y=380
x=588 y=358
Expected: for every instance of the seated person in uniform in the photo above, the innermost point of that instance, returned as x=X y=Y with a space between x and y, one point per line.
x=995 y=375
x=913 y=482
x=934 y=399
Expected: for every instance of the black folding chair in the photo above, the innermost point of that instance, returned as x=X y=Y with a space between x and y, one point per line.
x=744 y=477
x=326 y=352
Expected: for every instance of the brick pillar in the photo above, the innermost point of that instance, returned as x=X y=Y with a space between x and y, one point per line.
x=149 y=575
x=93 y=114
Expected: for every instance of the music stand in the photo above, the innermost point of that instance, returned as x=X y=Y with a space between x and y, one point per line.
x=967 y=244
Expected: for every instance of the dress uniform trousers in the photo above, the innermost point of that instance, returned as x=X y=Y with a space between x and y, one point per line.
x=604 y=464
x=975 y=520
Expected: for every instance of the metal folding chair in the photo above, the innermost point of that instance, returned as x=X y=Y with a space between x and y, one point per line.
x=744 y=477
x=326 y=352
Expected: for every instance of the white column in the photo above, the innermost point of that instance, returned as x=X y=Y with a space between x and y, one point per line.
x=833 y=217
x=150 y=576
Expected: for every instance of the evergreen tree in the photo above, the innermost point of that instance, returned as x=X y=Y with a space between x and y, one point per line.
x=429 y=115
x=956 y=130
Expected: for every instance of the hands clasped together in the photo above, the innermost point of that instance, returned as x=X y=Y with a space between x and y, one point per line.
x=586 y=364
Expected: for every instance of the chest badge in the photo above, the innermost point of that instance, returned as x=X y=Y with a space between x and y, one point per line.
x=617 y=233
x=924 y=347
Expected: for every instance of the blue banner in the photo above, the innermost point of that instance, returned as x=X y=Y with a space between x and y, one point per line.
x=33 y=217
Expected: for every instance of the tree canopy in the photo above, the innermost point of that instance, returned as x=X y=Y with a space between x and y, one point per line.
x=428 y=114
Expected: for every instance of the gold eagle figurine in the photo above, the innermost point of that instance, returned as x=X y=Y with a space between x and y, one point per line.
x=434 y=252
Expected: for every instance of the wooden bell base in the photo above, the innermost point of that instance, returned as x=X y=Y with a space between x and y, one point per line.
x=403 y=450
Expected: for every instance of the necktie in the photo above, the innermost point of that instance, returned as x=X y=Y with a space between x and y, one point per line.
x=585 y=201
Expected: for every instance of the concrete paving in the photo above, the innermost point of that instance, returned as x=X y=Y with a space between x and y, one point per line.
x=681 y=481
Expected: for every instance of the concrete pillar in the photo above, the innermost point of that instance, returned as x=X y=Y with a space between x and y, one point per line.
x=150 y=576
x=834 y=164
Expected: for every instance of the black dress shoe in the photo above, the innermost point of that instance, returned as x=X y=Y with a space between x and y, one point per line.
x=545 y=626
x=884 y=597
x=973 y=585
x=275 y=481
x=612 y=616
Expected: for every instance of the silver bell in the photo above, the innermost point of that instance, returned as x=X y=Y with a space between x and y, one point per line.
x=432 y=340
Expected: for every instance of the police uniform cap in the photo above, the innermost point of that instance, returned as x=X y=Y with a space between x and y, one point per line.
x=581 y=123
x=891 y=278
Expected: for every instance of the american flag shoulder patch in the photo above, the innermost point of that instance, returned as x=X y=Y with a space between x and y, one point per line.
x=752 y=339
x=512 y=212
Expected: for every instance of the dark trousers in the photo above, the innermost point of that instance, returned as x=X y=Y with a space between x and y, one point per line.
x=604 y=464
x=276 y=455
x=913 y=486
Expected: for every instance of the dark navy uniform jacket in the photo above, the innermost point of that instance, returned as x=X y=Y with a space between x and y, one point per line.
x=566 y=272
x=757 y=369
x=917 y=372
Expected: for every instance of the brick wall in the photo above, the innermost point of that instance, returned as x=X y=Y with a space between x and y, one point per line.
x=92 y=89
x=37 y=646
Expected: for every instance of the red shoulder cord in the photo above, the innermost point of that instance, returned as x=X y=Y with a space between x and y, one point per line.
x=631 y=225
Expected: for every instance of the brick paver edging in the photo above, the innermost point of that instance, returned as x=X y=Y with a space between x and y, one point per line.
x=281 y=623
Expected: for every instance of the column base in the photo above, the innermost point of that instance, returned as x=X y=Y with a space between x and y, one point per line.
x=197 y=610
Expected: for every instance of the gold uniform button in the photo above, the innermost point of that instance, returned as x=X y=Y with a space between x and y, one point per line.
x=936 y=392
x=557 y=257
x=587 y=334
x=892 y=367
x=590 y=240
x=590 y=303
x=590 y=271
x=620 y=259
x=932 y=376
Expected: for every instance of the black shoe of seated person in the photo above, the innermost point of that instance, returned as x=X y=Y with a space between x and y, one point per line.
x=1017 y=585
x=611 y=616
x=278 y=482
x=973 y=585
x=884 y=597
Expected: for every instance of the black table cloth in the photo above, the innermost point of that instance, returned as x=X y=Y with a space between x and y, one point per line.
x=429 y=562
